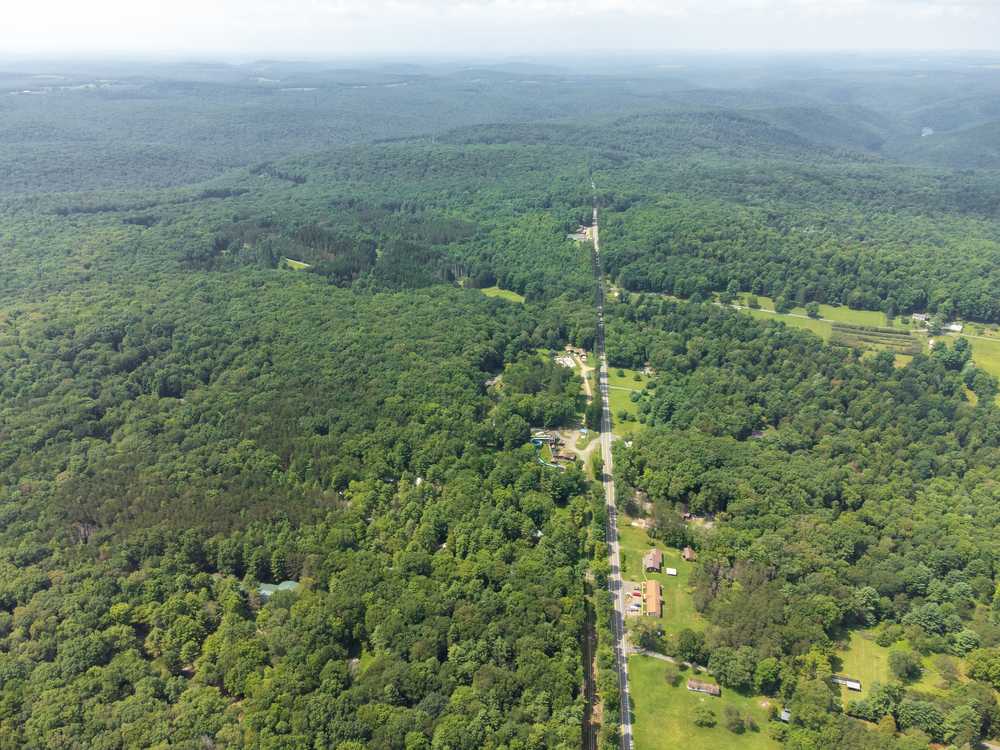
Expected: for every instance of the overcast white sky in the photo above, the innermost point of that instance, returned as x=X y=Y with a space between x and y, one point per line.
x=335 y=28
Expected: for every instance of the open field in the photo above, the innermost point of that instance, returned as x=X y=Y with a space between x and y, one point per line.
x=495 y=291
x=985 y=352
x=620 y=390
x=663 y=713
x=821 y=328
x=619 y=400
x=838 y=314
x=867 y=661
x=678 y=607
x=863 y=660
x=628 y=378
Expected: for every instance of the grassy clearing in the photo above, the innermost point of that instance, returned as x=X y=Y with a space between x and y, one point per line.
x=865 y=660
x=663 y=713
x=678 y=606
x=985 y=353
x=619 y=401
x=620 y=390
x=837 y=314
x=627 y=379
x=495 y=291
x=821 y=328
x=296 y=265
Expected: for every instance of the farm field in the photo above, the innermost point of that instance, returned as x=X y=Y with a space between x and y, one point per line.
x=663 y=713
x=495 y=291
x=678 y=607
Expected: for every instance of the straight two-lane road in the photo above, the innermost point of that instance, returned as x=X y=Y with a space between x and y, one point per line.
x=614 y=551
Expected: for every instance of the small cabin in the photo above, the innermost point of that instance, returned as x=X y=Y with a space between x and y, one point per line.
x=689 y=554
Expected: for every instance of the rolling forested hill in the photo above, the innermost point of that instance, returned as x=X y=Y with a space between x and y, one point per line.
x=242 y=341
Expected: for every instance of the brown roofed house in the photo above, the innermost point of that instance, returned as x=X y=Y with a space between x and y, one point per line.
x=689 y=554
x=653 y=598
x=652 y=561
x=697 y=686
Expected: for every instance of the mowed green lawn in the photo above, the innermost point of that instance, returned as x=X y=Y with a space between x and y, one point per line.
x=678 y=606
x=839 y=314
x=864 y=660
x=985 y=352
x=620 y=391
x=662 y=713
x=821 y=328
x=495 y=291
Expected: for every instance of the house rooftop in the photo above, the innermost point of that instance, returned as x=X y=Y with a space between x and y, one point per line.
x=653 y=597
x=652 y=559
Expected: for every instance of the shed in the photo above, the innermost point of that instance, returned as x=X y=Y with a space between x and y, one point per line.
x=652 y=561
x=689 y=554
x=848 y=682
x=785 y=715
x=697 y=686
x=671 y=571
x=653 y=597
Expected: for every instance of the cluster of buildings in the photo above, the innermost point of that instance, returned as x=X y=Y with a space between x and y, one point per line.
x=925 y=318
x=555 y=443
x=652 y=591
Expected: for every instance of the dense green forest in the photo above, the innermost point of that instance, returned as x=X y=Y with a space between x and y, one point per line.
x=242 y=342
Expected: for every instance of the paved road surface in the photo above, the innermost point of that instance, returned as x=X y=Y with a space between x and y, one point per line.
x=615 y=579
